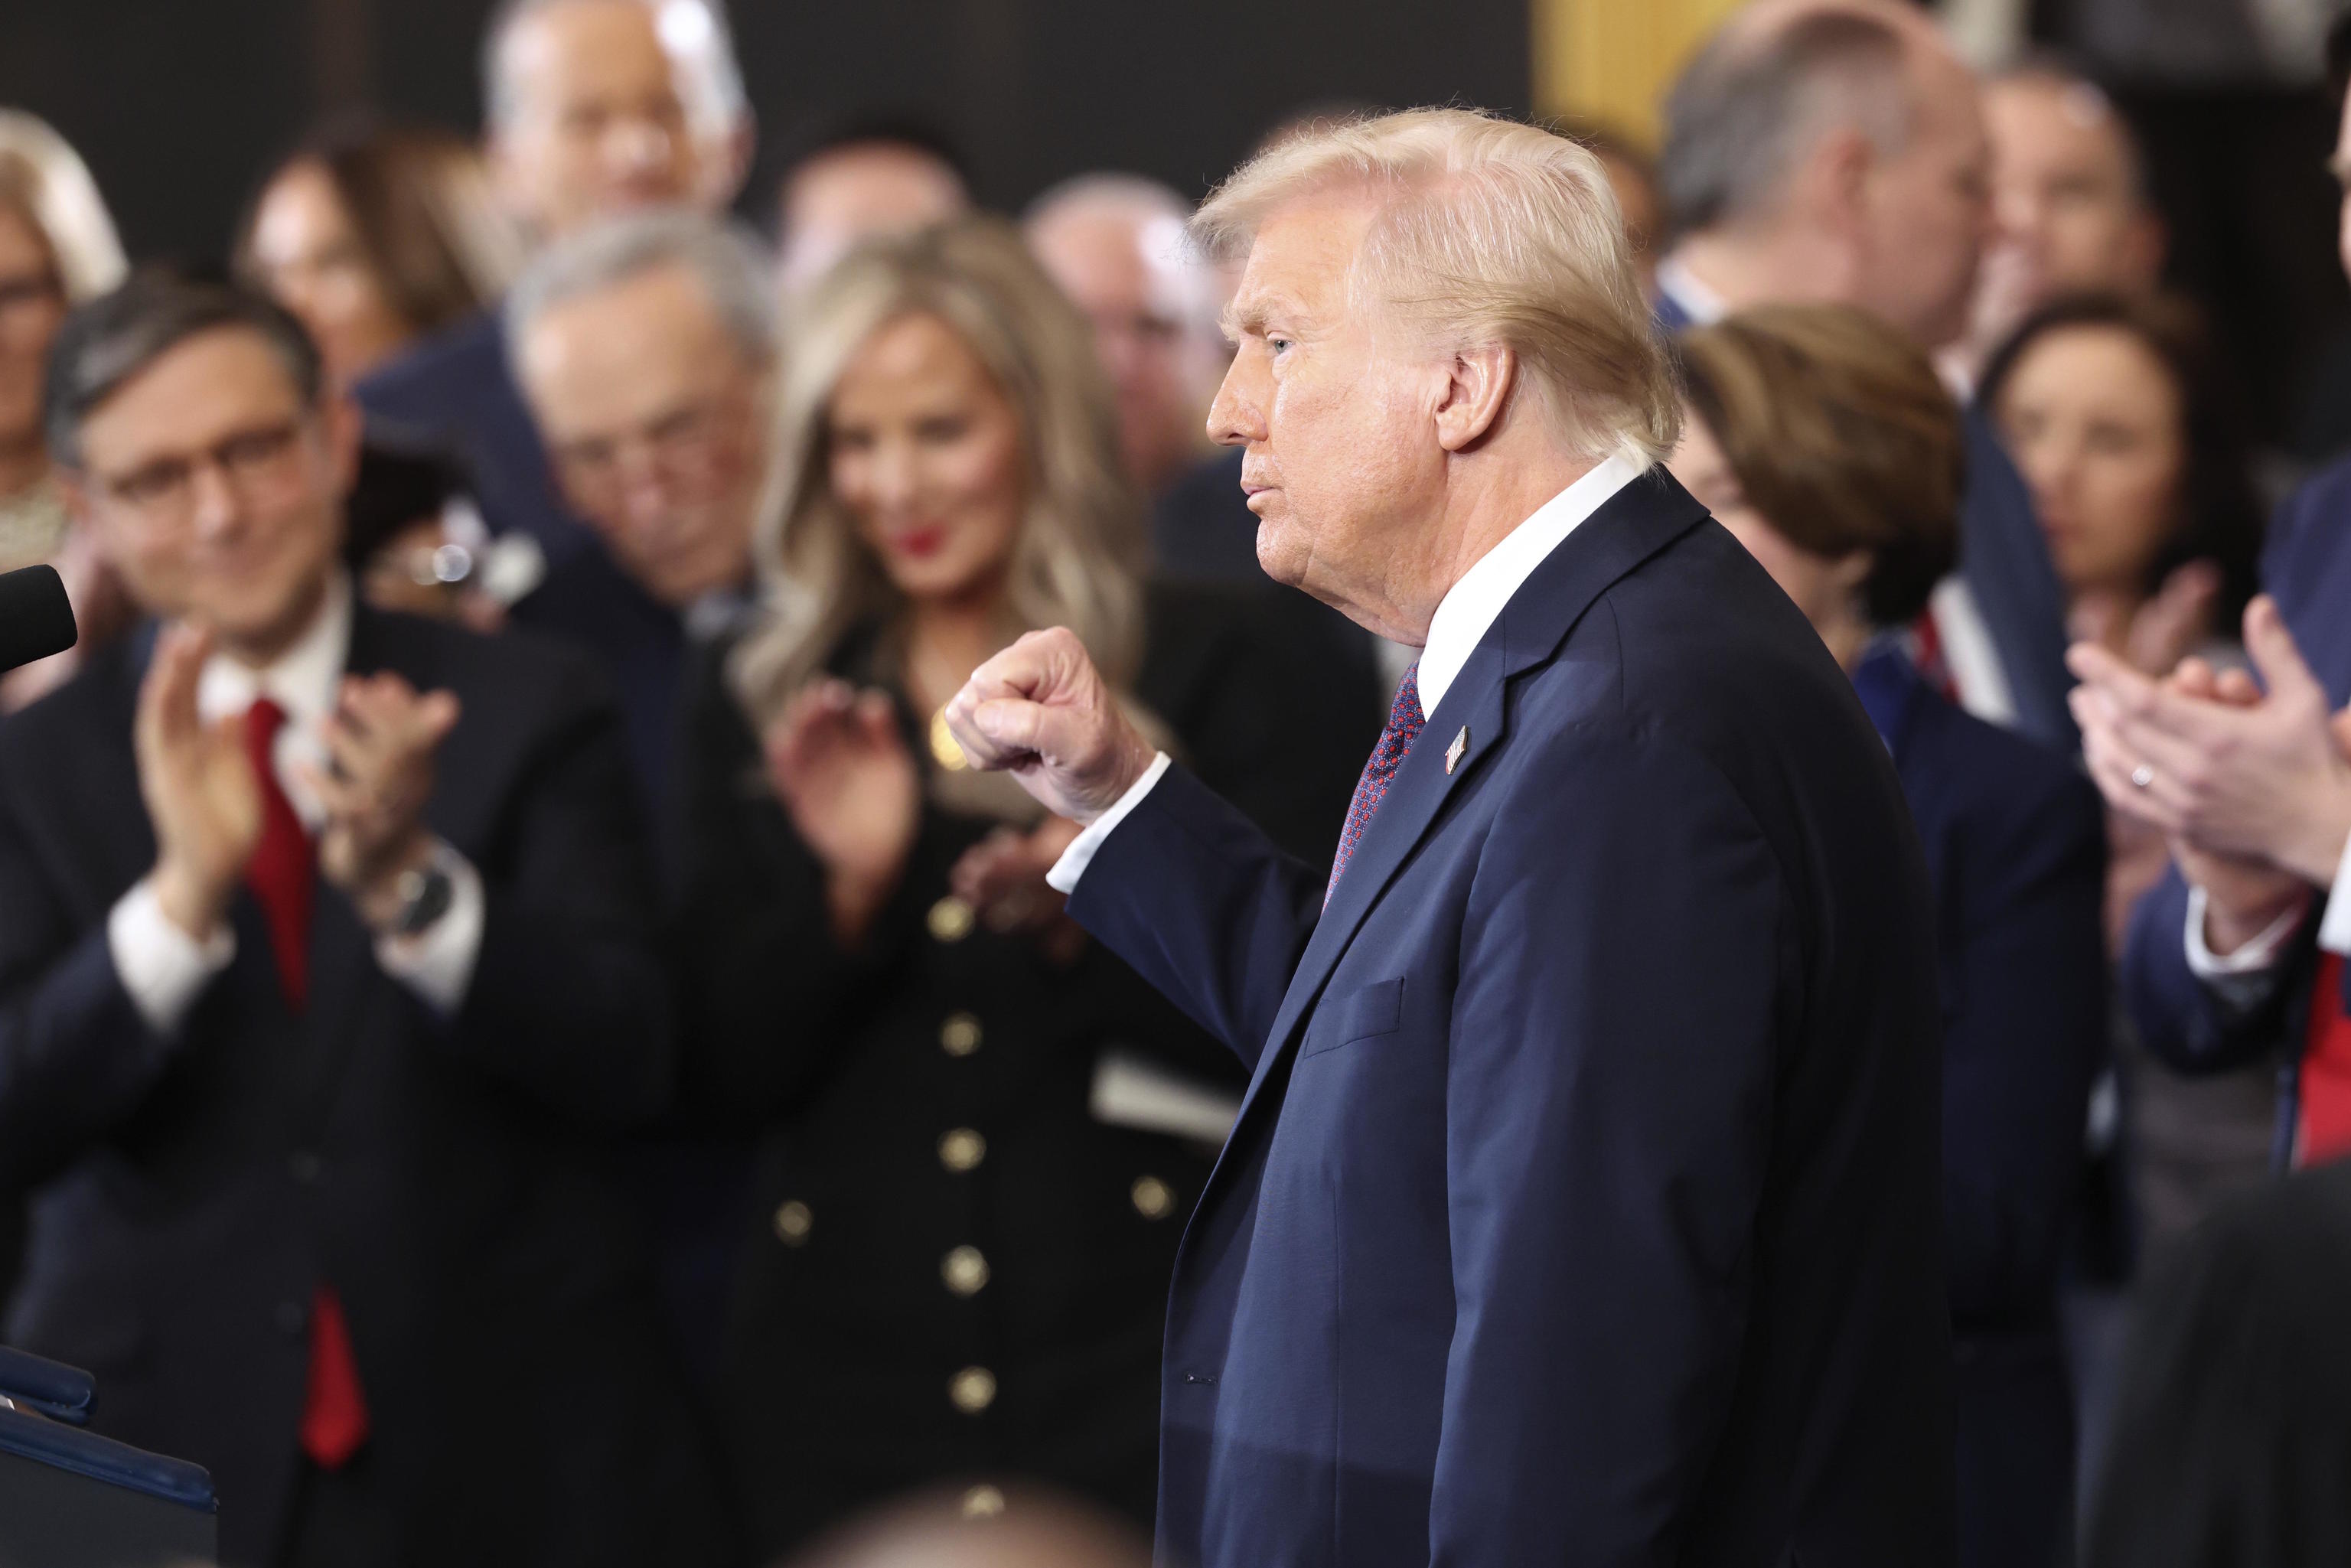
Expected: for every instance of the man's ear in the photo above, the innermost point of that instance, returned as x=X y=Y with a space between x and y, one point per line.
x=1833 y=187
x=1477 y=391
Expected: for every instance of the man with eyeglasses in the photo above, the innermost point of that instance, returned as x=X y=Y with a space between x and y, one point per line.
x=645 y=346
x=324 y=983
x=592 y=109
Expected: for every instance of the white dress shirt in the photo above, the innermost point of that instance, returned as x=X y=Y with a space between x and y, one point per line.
x=1463 y=616
x=2244 y=977
x=163 y=968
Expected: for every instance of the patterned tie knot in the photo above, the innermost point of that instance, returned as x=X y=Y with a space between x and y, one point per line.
x=1404 y=720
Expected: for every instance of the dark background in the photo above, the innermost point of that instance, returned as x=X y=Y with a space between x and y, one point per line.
x=181 y=106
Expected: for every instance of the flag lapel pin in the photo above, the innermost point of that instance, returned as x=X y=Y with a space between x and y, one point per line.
x=1455 y=752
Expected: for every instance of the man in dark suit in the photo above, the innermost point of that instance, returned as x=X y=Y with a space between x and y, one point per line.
x=323 y=964
x=1583 y=1205
x=646 y=344
x=594 y=110
x=2238 y=953
x=1881 y=199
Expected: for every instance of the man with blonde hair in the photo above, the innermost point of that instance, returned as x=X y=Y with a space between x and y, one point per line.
x=1583 y=1203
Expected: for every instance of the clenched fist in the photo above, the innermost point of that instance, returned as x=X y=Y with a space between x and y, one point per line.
x=1040 y=711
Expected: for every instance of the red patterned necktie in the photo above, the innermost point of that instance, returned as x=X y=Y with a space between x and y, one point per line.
x=281 y=876
x=1404 y=720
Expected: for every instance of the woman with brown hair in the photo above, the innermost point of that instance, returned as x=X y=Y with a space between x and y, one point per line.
x=981 y=1134
x=376 y=240
x=1826 y=443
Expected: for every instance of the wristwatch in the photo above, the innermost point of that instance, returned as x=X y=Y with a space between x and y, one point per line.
x=426 y=893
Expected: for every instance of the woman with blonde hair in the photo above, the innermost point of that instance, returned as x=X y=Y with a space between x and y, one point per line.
x=57 y=249
x=980 y=1134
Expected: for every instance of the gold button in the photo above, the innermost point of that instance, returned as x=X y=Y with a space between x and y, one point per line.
x=983 y=1503
x=964 y=1270
x=1154 y=1199
x=962 y=1150
x=950 y=919
x=944 y=748
x=792 y=1222
x=959 y=1036
x=972 y=1390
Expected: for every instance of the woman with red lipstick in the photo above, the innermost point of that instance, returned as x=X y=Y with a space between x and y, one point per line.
x=2119 y=422
x=982 y=1134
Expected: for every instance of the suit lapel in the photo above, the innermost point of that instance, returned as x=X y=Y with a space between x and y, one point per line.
x=1638 y=521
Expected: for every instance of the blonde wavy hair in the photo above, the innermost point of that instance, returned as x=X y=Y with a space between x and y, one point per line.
x=1489 y=232
x=1078 y=560
x=44 y=181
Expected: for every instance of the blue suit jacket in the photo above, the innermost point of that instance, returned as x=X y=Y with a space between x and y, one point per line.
x=2306 y=567
x=2016 y=848
x=1583 y=1205
x=2005 y=563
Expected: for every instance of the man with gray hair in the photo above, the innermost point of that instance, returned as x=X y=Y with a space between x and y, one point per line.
x=1583 y=1204
x=646 y=345
x=1116 y=245
x=1834 y=150
x=594 y=109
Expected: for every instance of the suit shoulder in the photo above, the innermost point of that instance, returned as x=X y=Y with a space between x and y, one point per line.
x=1706 y=642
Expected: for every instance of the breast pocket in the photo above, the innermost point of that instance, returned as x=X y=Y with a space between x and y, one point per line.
x=1367 y=1013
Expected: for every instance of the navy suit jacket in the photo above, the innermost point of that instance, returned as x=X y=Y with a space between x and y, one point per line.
x=2016 y=849
x=2306 y=568
x=2005 y=563
x=451 y=1177
x=1583 y=1204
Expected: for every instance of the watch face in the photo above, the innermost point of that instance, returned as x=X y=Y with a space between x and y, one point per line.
x=429 y=897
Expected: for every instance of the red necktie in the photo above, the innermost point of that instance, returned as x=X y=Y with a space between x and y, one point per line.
x=2324 y=1131
x=1404 y=720
x=282 y=878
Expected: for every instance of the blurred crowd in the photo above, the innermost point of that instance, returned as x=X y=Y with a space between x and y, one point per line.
x=522 y=1039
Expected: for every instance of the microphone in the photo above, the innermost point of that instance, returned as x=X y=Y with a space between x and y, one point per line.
x=37 y=619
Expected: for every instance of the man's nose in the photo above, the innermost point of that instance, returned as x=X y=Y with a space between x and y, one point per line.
x=214 y=507
x=1236 y=416
x=636 y=143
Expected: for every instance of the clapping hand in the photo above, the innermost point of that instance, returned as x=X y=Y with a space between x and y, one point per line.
x=381 y=742
x=2253 y=790
x=844 y=776
x=199 y=786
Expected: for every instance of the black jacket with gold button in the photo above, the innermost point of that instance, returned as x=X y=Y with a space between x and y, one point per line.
x=955 y=1265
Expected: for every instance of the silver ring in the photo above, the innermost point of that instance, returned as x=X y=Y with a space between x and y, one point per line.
x=2142 y=776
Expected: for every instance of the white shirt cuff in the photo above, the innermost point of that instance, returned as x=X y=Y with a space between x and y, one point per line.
x=2335 y=926
x=2240 y=979
x=163 y=968
x=1063 y=877
x=437 y=963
